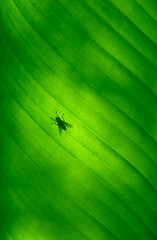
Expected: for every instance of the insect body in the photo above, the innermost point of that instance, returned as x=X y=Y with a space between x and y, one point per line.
x=62 y=125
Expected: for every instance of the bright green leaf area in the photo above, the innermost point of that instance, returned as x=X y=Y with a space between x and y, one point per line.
x=96 y=62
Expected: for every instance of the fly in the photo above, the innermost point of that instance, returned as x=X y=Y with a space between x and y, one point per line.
x=62 y=125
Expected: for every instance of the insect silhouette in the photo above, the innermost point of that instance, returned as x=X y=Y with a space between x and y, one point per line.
x=62 y=125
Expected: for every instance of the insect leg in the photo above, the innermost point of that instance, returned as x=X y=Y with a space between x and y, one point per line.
x=53 y=120
x=57 y=114
x=63 y=117
x=68 y=124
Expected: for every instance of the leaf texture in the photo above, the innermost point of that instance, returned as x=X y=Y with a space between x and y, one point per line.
x=96 y=62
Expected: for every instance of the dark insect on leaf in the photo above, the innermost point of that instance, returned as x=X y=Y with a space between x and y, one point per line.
x=62 y=125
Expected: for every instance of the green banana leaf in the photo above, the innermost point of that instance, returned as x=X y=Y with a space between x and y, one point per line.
x=90 y=172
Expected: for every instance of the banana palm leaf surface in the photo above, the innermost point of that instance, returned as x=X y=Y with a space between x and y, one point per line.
x=78 y=82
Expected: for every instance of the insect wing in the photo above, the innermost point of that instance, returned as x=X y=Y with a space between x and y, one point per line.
x=60 y=130
x=68 y=124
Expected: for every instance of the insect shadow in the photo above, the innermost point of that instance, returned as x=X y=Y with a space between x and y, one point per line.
x=62 y=125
